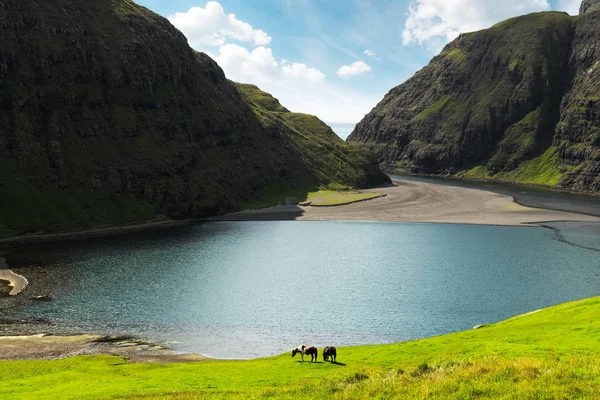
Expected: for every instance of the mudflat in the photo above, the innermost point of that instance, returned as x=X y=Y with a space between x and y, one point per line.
x=43 y=347
x=420 y=202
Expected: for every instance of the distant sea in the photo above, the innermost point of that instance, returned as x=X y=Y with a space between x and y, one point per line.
x=343 y=130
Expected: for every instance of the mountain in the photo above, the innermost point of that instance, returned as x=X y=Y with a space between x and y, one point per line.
x=516 y=102
x=332 y=160
x=108 y=117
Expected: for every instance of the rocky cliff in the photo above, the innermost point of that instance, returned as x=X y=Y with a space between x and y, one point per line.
x=108 y=117
x=515 y=102
x=589 y=6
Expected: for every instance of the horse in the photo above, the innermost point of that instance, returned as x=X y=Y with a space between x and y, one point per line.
x=303 y=349
x=329 y=352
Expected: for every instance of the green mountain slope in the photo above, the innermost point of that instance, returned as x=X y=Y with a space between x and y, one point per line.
x=333 y=162
x=515 y=102
x=108 y=117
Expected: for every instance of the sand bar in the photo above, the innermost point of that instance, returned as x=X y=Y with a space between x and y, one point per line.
x=17 y=281
x=421 y=202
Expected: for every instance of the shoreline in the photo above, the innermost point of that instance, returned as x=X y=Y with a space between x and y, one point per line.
x=285 y=213
x=17 y=281
x=94 y=233
x=404 y=202
x=454 y=178
x=421 y=202
x=55 y=347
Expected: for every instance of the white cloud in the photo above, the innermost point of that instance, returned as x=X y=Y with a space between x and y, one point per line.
x=570 y=6
x=299 y=87
x=371 y=54
x=241 y=64
x=436 y=22
x=211 y=26
x=356 y=68
x=298 y=70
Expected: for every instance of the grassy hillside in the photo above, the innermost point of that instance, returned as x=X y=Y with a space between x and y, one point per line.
x=336 y=164
x=552 y=353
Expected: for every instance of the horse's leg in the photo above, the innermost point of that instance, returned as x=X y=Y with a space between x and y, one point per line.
x=302 y=356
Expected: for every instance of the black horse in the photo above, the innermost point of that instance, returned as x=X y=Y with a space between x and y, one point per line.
x=329 y=353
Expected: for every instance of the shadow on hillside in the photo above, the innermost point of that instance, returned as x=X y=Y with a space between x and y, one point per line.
x=275 y=213
x=338 y=363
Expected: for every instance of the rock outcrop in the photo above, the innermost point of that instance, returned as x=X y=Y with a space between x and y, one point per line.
x=589 y=6
x=515 y=102
x=108 y=117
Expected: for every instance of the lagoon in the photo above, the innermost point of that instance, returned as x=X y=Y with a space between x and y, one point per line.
x=251 y=289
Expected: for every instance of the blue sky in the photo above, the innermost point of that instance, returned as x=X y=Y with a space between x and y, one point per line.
x=333 y=58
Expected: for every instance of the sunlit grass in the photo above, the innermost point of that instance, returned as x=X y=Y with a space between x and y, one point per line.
x=329 y=198
x=553 y=354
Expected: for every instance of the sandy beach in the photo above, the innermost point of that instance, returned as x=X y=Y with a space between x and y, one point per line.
x=420 y=202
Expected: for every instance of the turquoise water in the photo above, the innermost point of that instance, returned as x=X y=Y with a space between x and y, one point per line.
x=248 y=289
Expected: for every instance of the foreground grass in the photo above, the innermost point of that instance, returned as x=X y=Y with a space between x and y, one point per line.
x=548 y=354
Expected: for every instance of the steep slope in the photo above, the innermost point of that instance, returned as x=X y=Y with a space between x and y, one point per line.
x=488 y=106
x=578 y=133
x=341 y=164
x=108 y=117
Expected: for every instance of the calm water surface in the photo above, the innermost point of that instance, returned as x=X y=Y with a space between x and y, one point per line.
x=247 y=289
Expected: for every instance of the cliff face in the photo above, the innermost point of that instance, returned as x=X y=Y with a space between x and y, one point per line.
x=514 y=102
x=589 y=6
x=578 y=133
x=107 y=117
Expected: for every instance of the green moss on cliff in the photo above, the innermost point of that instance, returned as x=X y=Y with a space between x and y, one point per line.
x=458 y=55
x=541 y=170
x=437 y=107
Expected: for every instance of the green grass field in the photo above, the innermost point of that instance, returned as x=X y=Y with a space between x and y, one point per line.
x=550 y=354
x=308 y=194
x=330 y=198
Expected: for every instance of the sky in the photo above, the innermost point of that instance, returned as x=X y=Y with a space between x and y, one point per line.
x=333 y=58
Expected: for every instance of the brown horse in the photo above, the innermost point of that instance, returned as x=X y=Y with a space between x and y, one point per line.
x=329 y=352
x=309 y=351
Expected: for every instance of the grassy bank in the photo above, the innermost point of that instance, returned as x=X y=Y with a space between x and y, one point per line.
x=310 y=195
x=552 y=353
x=331 y=198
